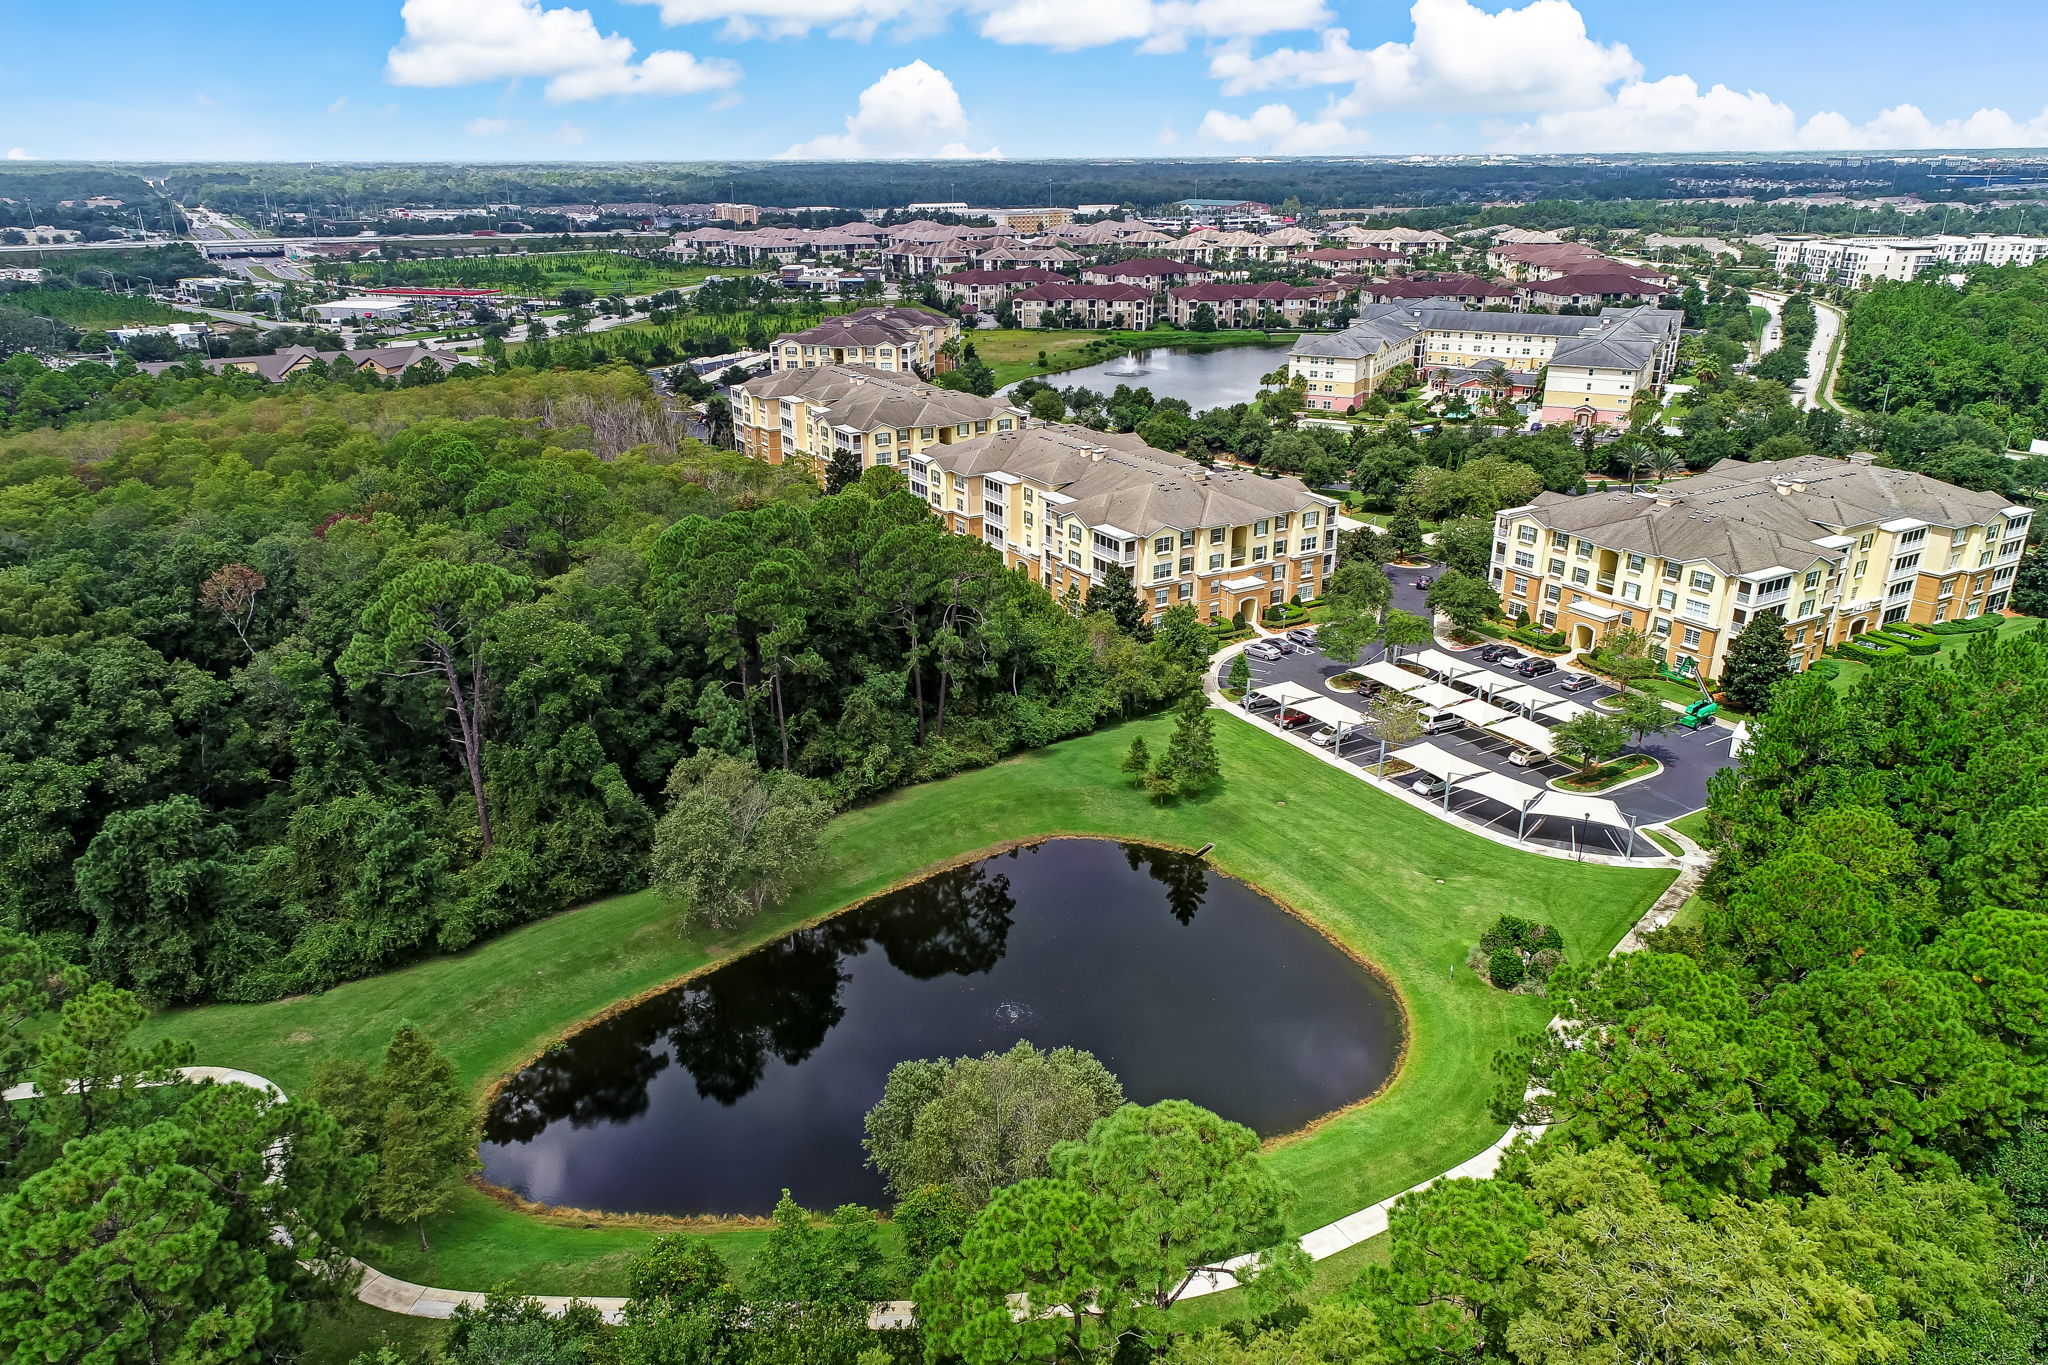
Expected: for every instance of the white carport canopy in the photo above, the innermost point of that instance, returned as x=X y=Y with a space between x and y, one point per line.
x=1595 y=810
x=1563 y=708
x=1389 y=676
x=1438 y=696
x=1281 y=694
x=1526 y=733
x=1439 y=762
x=1482 y=714
x=1436 y=661
x=1330 y=712
x=1500 y=787
x=1524 y=697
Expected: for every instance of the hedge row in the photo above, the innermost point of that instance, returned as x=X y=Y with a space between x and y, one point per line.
x=1968 y=626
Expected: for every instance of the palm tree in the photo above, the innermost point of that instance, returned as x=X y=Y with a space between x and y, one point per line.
x=1664 y=462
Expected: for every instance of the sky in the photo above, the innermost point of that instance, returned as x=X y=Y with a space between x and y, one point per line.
x=506 y=80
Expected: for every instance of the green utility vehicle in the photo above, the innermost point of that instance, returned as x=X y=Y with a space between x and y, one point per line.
x=1699 y=715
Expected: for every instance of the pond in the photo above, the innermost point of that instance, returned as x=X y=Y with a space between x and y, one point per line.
x=1207 y=377
x=715 y=1095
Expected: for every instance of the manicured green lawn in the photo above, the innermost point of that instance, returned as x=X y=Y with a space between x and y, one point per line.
x=1401 y=888
x=539 y=273
x=1693 y=826
x=1853 y=671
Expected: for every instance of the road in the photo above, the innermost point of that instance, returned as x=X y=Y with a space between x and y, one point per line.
x=1816 y=390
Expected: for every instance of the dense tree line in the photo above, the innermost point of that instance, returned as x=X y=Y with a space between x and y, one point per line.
x=295 y=691
x=1976 y=351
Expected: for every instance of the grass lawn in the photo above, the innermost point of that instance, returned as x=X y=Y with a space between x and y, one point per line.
x=1401 y=888
x=541 y=273
x=1852 y=671
x=1693 y=826
x=93 y=309
x=337 y=1334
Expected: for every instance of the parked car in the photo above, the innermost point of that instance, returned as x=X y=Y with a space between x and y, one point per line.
x=1291 y=719
x=1494 y=654
x=1425 y=785
x=1536 y=668
x=1303 y=635
x=1577 y=682
x=1525 y=757
x=1324 y=738
x=1262 y=651
x=1437 y=722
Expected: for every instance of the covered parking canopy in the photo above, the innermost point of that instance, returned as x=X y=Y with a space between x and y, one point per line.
x=1392 y=678
x=1439 y=762
x=1279 y=694
x=1591 y=810
x=1526 y=733
x=1516 y=796
x=1562 y=708
x=1443 y=665
x=1438 y=696
x=1330 y=712
x=1482 y=714
x=1523 y=697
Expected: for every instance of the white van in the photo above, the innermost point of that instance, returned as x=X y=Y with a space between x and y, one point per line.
x=1437 y=722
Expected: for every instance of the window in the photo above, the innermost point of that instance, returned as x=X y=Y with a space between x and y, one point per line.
x=1864 y=543
x=1635 y=563
x=1216 y=535
x=1660 y=626
x=1806 y=607
x=1187 y=590
x=1258 y=554
x=1162 y=545
x=1557 y=566
x=1702 y=582
x=1074 y=558
x=881 y=438
x=1187 y=538
x=1905 y=562
x=1666 y=601
x=1552 y=592
x=1524 y=560
x=1696 y=609
x=1581 y=577
x=1912 y=537
x=1813 y=579
x=1259 y=529
x=1074 y=533
x=1215 y=561
x=1160 y=571
x=1526 y=534
x=1549 y=619
x=1632 y=592
x=1028 y=495
x=1585 y=549
x=925 y=433
x=1861 y=565
x=1159 y=597
x=1279 y=548
x=1691 y=638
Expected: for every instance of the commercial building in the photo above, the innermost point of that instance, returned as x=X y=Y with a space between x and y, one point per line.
x=360 y=310
x=1596 y=365
x=898 y=339
x=1837 y=547
x=1088 y=305
x=745 y=215
x=808 y=415
x=1065 y=504
x=1854 y=261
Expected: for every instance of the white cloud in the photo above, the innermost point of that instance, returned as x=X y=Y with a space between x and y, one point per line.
x=462 y=42
x=1064 y=25
x=1904 y=126
x=1459 y=58
x=340 y=103
x=1279 y=129
x=571 y=133
x=1674 y=115
x=912 y=110
x=18 y=154
x=488 y=127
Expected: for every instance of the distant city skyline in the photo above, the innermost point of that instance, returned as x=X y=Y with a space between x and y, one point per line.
x=489 y=80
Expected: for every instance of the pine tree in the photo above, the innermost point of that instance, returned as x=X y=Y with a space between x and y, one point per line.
x=843 y=470
x=1115 y=593
x=1191 y=762
x=1138 y=759
x=426 y=1140
x=1758 y=660
x=1240 y=679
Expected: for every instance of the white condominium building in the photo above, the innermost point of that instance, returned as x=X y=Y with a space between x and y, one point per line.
x=1853 y=261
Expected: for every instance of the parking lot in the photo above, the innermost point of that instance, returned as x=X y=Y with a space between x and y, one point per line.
x=1688 y=757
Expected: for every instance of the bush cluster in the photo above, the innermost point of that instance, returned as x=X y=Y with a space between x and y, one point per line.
x=1520 y=951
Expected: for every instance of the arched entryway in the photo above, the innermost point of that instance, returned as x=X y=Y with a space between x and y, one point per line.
x=1584 y=418
x=1243 y=615
x=1856 y=628
x=1582 y=637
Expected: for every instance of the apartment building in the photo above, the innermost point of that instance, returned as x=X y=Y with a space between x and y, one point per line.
x=1596 y=365
x=807 y=416
x=1089 y=305
x=1153 y=272
x=987 y=289
x=1854 y=261
x=1066 y=504
x=1589 y=289
x=1242 y=305
x=1838 y=547
x=898 y=339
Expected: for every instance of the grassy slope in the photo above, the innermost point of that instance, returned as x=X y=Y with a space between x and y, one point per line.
x=1405 y=890
x=599 y=270
x=1852 y=671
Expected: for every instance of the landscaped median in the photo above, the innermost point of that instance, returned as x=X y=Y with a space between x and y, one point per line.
x=1398 y=887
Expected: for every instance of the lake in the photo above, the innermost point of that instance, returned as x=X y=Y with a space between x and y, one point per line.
x=1206 y=378
x=715 y=1095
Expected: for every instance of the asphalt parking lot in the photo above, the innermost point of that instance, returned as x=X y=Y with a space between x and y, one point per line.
x=1689 y=758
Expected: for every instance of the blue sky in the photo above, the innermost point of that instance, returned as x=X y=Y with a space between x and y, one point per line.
x=713 y=79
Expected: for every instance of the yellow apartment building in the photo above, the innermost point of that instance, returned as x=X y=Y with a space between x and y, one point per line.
x=808 y=415
x=899 y=339
x=1065 y=504
x=1838 y=547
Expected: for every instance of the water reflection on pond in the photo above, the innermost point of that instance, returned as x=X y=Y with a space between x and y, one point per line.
x=1205 y=377
x=713 y=1096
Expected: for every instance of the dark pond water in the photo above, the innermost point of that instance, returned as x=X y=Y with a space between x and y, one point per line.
x=714 y=1096
x=1206 y=378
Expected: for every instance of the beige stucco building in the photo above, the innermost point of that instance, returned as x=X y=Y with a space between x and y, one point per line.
x=806 y=416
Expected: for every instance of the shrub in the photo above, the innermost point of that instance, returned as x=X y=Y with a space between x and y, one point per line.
x=1544 y=963
x=1969 y=625
x=1544 y=938
x=1509 y=931
x=1824 y=668
x=1505 y=969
